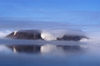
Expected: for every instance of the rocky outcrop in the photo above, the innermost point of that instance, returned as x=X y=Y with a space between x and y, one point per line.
x=37 y=34
x=71 y=37
x=25 y=34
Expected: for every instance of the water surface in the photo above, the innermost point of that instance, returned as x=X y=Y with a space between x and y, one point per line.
x=15 y=52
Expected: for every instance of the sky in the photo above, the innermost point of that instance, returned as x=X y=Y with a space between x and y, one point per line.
x=67 y=11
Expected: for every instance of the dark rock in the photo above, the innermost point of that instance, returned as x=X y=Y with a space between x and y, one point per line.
x=26 y=34
x=71 y=37
x=36 y=34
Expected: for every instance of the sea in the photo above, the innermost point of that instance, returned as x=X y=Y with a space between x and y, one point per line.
x=20 y=52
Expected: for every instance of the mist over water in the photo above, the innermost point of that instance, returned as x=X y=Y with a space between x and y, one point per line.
x=54 y=52
x=65 y=32
x=8 y=26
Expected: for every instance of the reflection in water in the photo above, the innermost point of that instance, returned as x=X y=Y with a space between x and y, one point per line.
x=25 y=48
x=44 y=49
x=60 y=48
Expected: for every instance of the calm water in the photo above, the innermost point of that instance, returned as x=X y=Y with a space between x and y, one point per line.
x=48 y=53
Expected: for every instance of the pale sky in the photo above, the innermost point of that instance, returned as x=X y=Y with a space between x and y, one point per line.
x=67 y=11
